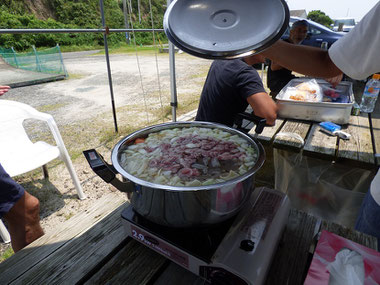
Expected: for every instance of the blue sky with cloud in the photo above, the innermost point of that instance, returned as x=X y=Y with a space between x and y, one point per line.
x=335 y=8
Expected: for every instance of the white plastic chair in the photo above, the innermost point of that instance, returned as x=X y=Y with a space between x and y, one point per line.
x=18 y=154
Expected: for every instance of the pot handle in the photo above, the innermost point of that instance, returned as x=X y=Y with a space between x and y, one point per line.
x=259 y=122
x=106 y=171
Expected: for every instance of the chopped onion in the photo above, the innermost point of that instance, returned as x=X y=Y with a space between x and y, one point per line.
x=162 y=156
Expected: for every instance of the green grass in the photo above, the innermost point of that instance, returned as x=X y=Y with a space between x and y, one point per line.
x=130 y=49
x=75 y=76
x=80 y=48
x=117 y=48
x=188 y=104
x=48 y=108
x=110 y=135
x=201 y=74
x=8 y=253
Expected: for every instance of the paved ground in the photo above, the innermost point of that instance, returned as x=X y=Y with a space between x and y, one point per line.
x=87 y=90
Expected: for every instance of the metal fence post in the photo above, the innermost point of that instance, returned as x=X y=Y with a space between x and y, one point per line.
x=62 y=64
x=37 y=59
x=108 y=64
x=15 y=56
x=173 y=85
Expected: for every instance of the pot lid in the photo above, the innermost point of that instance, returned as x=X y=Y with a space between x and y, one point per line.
x=218 y=29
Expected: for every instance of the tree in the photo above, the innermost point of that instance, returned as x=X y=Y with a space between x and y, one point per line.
x=320 y=17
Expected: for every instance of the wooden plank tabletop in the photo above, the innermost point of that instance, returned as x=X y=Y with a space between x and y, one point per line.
x=42 y=248
x=359 y=147
x=288 y=134
x=103 y=254
x=268 y=133
x=292 y=135
x=133 y=264
x=78 y=257
x=320 y=144
x=294 y=251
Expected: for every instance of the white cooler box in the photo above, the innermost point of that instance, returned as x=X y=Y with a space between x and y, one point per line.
x=338 y=113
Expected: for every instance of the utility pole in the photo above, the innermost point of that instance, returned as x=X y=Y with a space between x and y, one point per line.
x=126 y=23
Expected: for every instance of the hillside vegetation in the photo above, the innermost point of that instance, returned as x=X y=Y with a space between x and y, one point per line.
x=69 y=14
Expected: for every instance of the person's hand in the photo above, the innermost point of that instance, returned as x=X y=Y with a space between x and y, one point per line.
x=4 y=89
x=263 y=106
x=334 y=81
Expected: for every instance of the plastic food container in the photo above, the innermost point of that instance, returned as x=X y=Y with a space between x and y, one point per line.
x=338 y=113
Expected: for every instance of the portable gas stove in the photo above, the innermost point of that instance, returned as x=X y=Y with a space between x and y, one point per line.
x=238 y=251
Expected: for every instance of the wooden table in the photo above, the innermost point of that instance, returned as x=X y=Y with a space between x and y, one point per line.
x=358 y=151
x=361 y=150
x=92 y=248
x=352 y=162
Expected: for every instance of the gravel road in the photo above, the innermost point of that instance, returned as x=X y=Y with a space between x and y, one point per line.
x=87 y=91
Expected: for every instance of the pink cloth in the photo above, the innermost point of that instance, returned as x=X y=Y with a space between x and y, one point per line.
x=328 y=246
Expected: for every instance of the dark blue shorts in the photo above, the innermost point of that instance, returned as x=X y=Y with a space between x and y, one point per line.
x=368 y=220
x=10 y=192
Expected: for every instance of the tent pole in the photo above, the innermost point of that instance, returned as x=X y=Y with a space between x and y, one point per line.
x=108 y=64
x=173 y=86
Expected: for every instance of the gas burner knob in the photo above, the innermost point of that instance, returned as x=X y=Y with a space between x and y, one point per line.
x=247 y=245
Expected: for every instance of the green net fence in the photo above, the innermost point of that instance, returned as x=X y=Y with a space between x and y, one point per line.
x=46 y=61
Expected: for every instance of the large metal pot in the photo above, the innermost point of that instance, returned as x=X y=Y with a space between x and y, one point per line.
x=181 y=207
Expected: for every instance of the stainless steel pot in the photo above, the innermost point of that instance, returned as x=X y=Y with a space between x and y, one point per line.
x=176 y=206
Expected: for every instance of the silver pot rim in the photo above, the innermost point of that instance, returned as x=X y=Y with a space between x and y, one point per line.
x=155 y=128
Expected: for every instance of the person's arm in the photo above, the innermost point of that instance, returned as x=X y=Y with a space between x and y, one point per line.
x=274 y=66
x=302 y=59
x=4 y=89
x=263 y=106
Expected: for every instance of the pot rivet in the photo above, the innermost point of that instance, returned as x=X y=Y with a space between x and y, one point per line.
x=247 y=245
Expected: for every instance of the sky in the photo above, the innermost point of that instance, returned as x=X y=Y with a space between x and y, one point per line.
x=335 y=8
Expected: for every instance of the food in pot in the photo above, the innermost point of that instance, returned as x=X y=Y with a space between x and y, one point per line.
x=189 y=156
